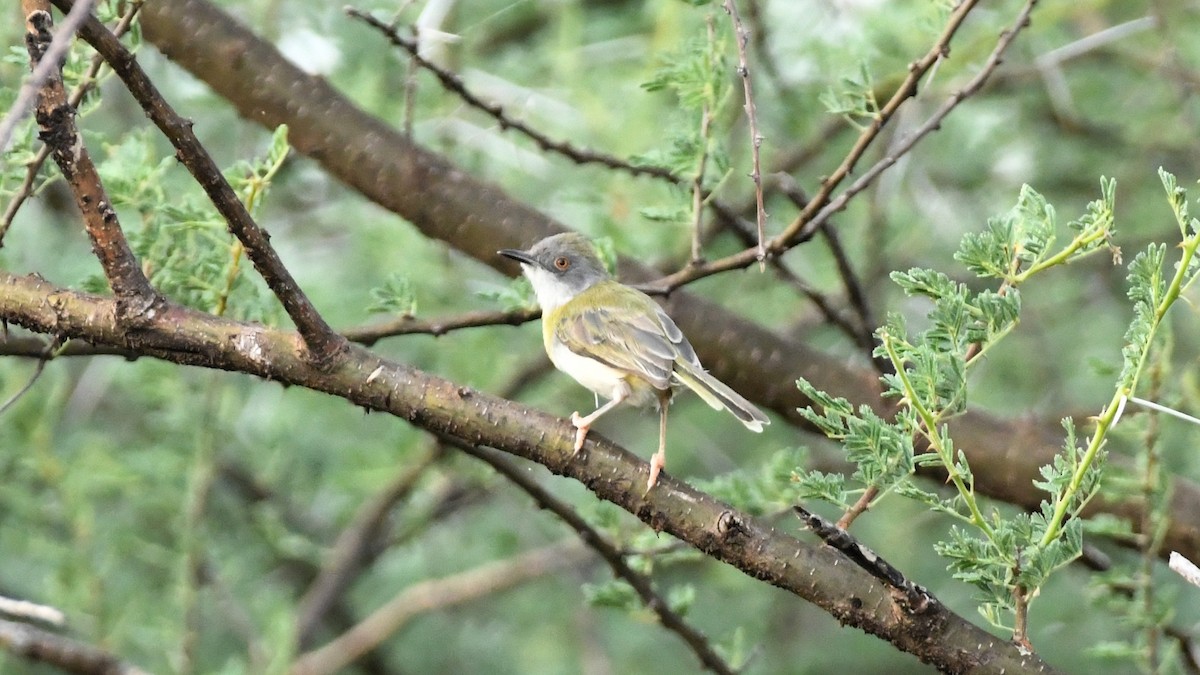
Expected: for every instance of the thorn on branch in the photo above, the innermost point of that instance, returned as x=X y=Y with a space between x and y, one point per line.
x=915 y=598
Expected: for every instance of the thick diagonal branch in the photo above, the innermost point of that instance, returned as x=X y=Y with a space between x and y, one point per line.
x=184 y=336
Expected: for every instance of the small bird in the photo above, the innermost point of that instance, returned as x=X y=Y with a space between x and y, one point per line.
x=615 y=340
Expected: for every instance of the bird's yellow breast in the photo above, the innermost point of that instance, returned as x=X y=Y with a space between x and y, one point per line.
x=599 y=378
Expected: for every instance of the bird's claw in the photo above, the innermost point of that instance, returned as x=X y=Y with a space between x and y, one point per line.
x=581 y=430
x=656 y=465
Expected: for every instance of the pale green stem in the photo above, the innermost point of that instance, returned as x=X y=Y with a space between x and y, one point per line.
x=1063 y=256
x=930 y=421
x=1104 y=422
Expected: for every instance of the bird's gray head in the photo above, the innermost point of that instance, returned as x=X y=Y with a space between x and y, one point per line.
x=559 y=267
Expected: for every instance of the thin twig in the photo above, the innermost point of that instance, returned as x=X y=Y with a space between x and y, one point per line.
x=641 y=584
x=742 y=38
x=455 y=84
x=86 y=84
x=822 y=207
x=426 y=596
x=407 y=325
x=323 y=343
x=44 y=67
x=64 y=653
x=47 y=354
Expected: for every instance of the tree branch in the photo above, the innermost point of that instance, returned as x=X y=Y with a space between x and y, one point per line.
x=56 y=123
x=181 y=335
x=322 y=342
x=477 y=218
x=69 y=655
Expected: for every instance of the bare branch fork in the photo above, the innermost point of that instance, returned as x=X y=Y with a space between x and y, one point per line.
x=322 y=342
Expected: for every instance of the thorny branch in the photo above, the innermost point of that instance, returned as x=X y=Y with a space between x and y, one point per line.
x=323 y=343
x=56 y=124
x=455 y=84
x=823 y=205
x=742 y=38
x=641 y=584
x=85 y=85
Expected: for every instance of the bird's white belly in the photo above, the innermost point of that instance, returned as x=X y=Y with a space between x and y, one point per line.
x=599 y=378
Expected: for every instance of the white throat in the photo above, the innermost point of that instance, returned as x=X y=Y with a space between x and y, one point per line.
x=551 y=292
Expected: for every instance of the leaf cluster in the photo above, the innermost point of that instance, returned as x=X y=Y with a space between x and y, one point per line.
x=1007 y=558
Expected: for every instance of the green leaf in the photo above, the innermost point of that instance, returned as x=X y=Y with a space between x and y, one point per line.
x=395 y=296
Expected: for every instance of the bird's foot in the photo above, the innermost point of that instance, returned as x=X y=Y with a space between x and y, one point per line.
x=582 y=425
x=657 y=462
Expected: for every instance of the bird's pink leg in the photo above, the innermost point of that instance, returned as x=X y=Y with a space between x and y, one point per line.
x=659 y=460
x=582 y=424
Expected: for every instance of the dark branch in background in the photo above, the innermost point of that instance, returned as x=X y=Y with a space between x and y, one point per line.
x=741 y=39
x=184 y=336
x=85 y=85
x=238 y=479
x=454 y=84
x=476 y=217
x=56 y=124
x=322 y=342
x=641 y=584
x=64 y=653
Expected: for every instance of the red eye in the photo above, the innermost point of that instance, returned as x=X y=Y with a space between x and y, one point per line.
x=562 y=263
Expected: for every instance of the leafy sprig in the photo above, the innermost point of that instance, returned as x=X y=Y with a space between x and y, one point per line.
x=1007 y=558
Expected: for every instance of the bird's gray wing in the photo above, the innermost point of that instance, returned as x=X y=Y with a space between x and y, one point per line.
x=633 y=339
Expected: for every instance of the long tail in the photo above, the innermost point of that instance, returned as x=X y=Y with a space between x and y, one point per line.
x=718 y=395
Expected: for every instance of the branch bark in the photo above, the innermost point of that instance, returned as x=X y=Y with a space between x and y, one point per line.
x=816 y=573
x=322 y=342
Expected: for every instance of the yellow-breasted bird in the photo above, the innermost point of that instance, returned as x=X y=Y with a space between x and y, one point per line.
x=615 y=340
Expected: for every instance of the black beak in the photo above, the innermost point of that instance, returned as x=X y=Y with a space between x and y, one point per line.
x=518 y=255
